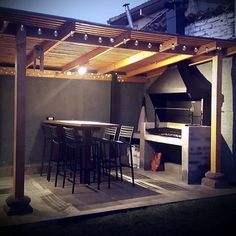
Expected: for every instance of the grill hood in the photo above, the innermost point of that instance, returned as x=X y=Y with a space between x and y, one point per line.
x=180 y=82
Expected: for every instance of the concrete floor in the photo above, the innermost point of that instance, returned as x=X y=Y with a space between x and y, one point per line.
x=50 y=203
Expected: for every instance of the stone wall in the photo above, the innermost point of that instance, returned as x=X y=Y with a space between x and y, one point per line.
x=221 y=26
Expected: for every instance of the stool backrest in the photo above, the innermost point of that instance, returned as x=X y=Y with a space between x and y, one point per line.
x=110 y=133
x=46 y=131
x=126 y=134
x=69 y=135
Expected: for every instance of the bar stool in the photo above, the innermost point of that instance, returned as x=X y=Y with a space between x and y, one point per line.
x=116 y=156
x=47 y=139
x=74 y=149
x=57 y=152
x=72 y=157
x=124 y=142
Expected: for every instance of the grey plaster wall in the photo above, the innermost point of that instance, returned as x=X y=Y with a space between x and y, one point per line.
x=131 y=102
x=63 y=99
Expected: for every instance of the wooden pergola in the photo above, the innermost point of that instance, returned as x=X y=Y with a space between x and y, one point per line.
x=67 y=44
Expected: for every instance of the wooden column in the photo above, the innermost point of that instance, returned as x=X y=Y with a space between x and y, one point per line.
x=18 y=203
x=214 y=178
x=216 y=104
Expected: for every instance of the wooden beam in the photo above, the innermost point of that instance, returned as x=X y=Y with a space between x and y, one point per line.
x=56 y=74
x=157 y=65
x=168 y=44
x=156 y=73
x=125 y=62
x=206 y=48
x=133 y=79
x=97 y=52
x=63 y=33
x=230 y=51
x=85 y=58
x=199 y=60
x=216 y=103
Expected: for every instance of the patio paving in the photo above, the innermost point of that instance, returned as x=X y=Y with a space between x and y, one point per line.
x=50 y=203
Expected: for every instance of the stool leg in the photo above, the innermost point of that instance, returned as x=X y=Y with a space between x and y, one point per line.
x=49 y=162
x=132 y=166
x=43 y=157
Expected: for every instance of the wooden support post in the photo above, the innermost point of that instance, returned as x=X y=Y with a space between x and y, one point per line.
x=216 y=104
x=18 y=203
x=214 y=177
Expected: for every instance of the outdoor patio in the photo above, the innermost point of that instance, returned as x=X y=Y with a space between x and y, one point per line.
x=152 y=188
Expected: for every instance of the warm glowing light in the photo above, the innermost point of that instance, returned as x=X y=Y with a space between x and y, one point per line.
x=82 y=70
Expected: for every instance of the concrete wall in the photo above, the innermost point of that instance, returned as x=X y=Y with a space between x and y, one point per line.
x=63 y=99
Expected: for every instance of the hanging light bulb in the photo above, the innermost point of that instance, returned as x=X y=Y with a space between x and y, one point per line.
x=5 y=23
x=172 y=46
x=184 y=48
x=112 y=40
x=149 y=45
x=22 y=28
x=195 y=49
x=219 y=48
x=100 y=40
x=136 y=42
x=85 y=37
x=160 y=46
x=39 y=31
x=124 y=41
x=55 y=33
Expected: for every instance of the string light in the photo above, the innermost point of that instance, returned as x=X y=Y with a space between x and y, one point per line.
x=100 y=40
x=172 y=46
x=160 y=46
x=39 y=31
x=112 y=40
x=184 y=48
x=124 y=40
x=71 y=33
x=149 y=45
x=85 y=37
x=136 y=43
x=22 y=28
x=195 y=49
x=55 y=33
x=219 y=48
x=5 y=23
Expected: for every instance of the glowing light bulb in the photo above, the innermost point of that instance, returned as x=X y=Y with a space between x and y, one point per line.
x=82 y=70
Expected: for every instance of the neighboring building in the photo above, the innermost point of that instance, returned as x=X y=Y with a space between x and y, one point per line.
x=213 y=19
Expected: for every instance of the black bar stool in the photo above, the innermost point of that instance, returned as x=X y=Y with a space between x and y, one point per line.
x=47 y=139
